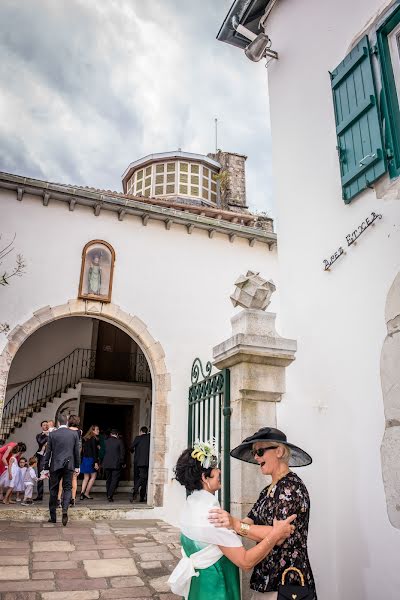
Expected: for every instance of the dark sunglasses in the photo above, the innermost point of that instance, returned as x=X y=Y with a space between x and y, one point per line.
x=261 y=451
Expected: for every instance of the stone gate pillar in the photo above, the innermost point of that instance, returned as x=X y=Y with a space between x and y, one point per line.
x=257 y=358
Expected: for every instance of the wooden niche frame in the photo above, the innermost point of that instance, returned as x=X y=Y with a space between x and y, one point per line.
x=97 y=270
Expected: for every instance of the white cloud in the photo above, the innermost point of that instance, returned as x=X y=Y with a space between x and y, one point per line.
x=91 y=86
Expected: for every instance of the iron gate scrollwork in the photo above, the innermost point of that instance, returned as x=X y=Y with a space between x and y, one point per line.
x=210 y=414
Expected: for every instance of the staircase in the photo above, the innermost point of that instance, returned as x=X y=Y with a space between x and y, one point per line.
x=64 y=375
x=46 y=387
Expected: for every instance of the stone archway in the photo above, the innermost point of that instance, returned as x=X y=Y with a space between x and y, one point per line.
x=152 y=349
x=390 y=379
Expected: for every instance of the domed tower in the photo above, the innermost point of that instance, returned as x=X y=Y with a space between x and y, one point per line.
x=188 y=178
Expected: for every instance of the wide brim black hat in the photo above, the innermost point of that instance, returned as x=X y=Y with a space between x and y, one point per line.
x=298 y=457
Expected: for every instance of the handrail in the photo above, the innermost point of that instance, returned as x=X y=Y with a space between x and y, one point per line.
x=67 y=372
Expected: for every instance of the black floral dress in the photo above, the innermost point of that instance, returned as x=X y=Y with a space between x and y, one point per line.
x=288 y=497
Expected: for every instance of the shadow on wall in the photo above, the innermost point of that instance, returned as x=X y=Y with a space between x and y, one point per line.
x=390 y=379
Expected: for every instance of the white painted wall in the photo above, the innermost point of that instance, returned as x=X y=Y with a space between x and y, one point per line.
x=178 y=284
x=333 y=406
x=47 y=346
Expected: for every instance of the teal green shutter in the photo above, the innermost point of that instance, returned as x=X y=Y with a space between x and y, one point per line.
x=358 y=129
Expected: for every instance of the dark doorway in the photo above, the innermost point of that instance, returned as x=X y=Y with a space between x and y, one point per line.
x=113 y=353
x=114 y=416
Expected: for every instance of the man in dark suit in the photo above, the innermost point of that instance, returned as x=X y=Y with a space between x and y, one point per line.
x=114 y=458
x=41 y=439
x=141 y=447
x=61 y=460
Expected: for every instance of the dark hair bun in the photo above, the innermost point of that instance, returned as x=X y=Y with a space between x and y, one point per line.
x=188 y=471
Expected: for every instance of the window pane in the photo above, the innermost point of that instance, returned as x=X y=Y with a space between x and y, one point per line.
x=183 y=189
x=148 y=170
x=170 y=189
x=194 y=191
x=139 y=174
x=139 y=185
x=159 y=178
x=160 y=168
x=214 y=197
x=195 y=179
x=394 y=47
x=194 y=168
x=170 y=167
x=159 y=189
x=147 y=192
x=147 y=181
x=213 y=186
x=184 y=167
x=205 y=182
x=183 y=178
x=171 y=178
x=206 y=171
x=204 y=193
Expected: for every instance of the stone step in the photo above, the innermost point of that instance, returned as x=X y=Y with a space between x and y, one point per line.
x=99 y=511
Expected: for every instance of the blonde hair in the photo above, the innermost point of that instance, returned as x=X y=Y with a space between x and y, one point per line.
x=286 y=454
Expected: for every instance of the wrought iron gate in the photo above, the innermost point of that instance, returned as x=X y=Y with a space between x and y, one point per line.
x=209 y=416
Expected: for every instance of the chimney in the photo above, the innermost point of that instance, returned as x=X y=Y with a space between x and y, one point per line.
x=232 y=180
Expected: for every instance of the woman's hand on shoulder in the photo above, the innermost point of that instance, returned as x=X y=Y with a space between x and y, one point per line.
x=220 y=518
x=281 y=530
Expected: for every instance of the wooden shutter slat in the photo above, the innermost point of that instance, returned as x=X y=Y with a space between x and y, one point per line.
x=358 y=128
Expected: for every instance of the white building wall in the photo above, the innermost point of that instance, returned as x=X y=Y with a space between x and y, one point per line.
x=46 y=347
x=178 y=284
x=333 y=406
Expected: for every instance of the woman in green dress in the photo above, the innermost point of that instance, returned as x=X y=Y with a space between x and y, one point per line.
x=211 y=556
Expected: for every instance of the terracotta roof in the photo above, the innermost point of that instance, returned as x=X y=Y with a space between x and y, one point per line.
x=232 y=223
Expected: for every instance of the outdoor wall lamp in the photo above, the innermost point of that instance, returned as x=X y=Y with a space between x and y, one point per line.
x=260 y=45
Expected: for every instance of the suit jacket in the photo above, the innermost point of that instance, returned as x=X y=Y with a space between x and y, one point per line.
x=141 y=447
x=114 y=453
x=62 y=450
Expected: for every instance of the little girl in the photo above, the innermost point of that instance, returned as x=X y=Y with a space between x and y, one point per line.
x=19 y=487
x=29 y=481
x=8 y=479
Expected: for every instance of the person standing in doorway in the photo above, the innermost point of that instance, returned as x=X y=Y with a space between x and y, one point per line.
x=141 y=447
x=41 y=440
x=113 y=461
x=90 y=461
x=60 y=461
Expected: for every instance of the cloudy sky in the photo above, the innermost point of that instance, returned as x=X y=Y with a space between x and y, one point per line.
x=88 y=86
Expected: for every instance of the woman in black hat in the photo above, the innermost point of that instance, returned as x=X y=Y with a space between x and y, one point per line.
x=284 y=496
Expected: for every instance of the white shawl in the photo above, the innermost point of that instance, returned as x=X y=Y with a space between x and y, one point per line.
x=196 y=526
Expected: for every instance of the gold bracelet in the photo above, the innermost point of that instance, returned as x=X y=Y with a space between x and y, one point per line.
x=244 y=529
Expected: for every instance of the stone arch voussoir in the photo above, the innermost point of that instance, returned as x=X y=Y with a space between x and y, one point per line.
x=152 y=349
x=390 y=380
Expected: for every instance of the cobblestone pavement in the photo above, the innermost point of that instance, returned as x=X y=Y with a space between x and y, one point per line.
x=87 y=560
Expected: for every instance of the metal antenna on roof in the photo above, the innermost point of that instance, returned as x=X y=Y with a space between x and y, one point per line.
x=216 y=134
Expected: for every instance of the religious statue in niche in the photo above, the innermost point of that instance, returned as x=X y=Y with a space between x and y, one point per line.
x=96 y=271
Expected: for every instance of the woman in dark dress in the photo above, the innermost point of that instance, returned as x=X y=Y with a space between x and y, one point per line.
x=90 y=461
x=284 y=496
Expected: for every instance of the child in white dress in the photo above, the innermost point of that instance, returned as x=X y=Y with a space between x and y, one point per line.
x=29 y=481
x=8 y=478
x=19 y=487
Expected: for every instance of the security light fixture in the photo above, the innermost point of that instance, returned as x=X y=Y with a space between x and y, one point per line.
x=260 y=45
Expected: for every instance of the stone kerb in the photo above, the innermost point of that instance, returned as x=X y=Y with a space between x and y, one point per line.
x=135 y=328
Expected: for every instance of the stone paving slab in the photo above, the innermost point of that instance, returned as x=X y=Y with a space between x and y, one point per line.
x=87 y=560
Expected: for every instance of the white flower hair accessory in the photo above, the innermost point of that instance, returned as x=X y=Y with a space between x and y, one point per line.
x=206 y=453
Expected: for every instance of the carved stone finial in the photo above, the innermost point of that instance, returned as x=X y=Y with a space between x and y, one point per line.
x=252 y=291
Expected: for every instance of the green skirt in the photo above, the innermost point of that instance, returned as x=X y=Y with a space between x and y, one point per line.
x=218 y=582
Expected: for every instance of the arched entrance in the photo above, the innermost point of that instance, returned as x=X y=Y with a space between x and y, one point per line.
x=151 y=349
